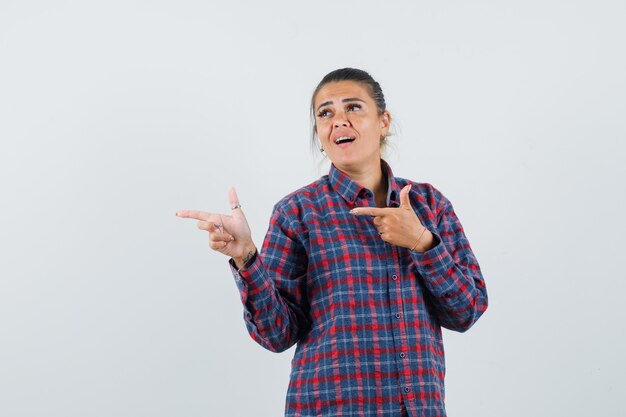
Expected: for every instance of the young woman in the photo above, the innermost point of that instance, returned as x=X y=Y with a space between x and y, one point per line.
x=360 y=269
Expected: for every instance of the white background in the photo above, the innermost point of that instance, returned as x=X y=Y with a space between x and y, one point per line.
x=116 y=114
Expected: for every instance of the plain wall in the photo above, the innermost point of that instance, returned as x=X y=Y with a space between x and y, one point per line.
x=116 y=114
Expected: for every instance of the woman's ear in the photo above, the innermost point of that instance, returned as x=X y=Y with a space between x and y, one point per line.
x=385 y=122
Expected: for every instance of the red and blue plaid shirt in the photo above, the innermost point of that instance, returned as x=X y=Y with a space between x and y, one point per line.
x=366 y=315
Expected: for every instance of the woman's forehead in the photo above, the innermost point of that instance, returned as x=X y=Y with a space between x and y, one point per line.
x=339 y=90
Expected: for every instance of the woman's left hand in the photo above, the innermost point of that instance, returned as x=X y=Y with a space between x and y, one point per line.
x=399 y=226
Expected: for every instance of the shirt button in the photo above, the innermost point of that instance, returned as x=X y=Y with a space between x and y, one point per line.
x=402 y=355
x=394 y=277
x=397 y=315
x=407 y=389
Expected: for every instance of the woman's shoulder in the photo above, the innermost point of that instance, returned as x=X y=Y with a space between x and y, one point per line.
x=303 y=197
x=424 y=192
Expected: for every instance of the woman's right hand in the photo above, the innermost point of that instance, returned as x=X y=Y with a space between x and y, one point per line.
x=228 y=234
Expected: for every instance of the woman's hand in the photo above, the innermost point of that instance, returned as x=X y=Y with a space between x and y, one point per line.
x=228 y=234
x=399 y=226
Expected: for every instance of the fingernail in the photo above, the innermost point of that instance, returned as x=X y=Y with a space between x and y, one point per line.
x=232 y=238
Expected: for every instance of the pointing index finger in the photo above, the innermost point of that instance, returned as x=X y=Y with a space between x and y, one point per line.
x=193 y=214
x=365 y=211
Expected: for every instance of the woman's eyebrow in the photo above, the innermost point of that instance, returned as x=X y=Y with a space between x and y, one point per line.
x=345 y=100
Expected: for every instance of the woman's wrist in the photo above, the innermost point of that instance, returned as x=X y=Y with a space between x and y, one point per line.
x=248 y=256
x=424 y=242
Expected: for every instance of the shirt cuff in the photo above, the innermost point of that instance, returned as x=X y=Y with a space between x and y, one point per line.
x=251 y=279
x=434 y=265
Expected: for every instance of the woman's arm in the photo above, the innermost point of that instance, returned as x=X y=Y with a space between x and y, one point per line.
x=272 y=285
x=451 y=273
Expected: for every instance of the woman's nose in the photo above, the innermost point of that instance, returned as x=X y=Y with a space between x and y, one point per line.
x=341 y=120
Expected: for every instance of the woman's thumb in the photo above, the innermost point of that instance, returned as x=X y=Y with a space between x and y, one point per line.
x=404 y=196
x=234 y=202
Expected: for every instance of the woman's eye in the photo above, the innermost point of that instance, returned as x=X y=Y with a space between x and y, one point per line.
x=323 y=113
x=352 y=107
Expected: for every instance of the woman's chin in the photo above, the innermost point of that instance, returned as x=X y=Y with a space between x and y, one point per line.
x=353 y=162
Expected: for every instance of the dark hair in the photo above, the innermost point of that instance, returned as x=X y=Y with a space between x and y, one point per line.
x=349 y=74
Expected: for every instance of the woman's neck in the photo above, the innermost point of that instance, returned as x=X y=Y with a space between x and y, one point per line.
x=373 y=179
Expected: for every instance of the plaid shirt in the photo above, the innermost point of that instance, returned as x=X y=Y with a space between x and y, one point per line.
x=365 y=314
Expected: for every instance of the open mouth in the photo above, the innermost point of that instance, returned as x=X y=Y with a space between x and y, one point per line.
x=344 y=139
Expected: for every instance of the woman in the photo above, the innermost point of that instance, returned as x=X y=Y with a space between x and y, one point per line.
x=359 y=268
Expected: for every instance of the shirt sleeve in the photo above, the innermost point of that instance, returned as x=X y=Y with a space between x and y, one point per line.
x=451 y=273
x=273 y=287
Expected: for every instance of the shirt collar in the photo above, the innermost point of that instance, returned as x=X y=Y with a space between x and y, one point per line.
x=350 y=189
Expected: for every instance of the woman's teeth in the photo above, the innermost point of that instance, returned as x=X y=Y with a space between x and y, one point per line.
x=343 y=139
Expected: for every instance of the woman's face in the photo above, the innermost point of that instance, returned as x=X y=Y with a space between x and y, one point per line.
x=349 y=126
